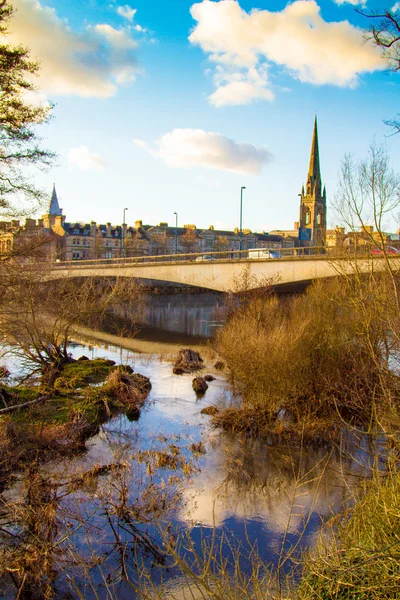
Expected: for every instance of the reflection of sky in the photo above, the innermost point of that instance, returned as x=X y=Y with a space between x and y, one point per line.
x=239 y=481
x=255 y=490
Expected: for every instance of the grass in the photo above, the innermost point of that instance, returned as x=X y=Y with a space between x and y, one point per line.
x=84 y=372
x=360 y=559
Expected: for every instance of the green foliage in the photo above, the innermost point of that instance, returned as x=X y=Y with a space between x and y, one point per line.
x=83 y=372
x=19 y=145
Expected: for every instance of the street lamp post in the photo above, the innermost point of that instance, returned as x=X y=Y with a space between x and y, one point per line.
x=240 y=229
x=123 y=234
x=176 y=232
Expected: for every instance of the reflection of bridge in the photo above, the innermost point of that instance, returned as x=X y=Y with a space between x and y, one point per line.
x=223 y=271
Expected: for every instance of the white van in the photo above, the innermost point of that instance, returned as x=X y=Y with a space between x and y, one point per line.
x=259 y=253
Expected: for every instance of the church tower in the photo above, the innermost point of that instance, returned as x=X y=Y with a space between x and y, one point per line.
x=313 y=201
x=53 y=217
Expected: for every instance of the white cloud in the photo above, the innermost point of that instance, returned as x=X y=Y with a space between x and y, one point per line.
x=396 y=7
x=244 y=46
x=239 y=92
x=127 y=12
x=91 y=63
x=197 y=148
x=84 y=159
x=353 y=2
x=117 y=38
x=235 y=87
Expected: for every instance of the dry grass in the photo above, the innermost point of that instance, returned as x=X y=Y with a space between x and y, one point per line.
x=321 y=356
x=361 y=557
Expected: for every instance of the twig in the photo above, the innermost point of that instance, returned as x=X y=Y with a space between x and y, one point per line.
x=24 y=405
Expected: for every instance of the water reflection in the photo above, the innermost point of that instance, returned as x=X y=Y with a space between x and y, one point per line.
x=190 y=314
x=262 y=492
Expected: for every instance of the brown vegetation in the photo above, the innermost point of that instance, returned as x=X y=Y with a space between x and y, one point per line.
x=199 y=385
x=324 y=356
x=188 y=361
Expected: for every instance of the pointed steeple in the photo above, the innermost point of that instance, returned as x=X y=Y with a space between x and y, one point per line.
x=314 y=172
x=54 y=207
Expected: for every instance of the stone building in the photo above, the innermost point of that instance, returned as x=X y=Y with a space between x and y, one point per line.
x=312 y=223
x=83 y=241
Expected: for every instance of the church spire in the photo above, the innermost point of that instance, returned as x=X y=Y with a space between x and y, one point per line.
x=54 y=207
x=314 y=172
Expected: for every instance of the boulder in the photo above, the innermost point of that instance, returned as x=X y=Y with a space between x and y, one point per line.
x=209 y=410
x=188 y=361
x=209 y=378
x=199 y=385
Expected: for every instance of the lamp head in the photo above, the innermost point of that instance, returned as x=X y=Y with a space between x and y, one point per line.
x=243 y=187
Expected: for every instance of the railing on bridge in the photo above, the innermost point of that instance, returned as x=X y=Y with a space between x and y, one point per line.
x=200 y=257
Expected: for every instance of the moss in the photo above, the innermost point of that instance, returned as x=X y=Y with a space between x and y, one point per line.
x=19 y=395
x=68 y=416
x=83 y=372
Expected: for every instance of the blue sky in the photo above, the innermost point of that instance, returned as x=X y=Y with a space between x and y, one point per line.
x=165 y=106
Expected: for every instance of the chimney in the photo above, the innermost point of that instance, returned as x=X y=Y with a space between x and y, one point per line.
x=93 y=228
x=190 y=226
x=138 y=225
x=296 y=225
x=108 y=229
x=236 y=230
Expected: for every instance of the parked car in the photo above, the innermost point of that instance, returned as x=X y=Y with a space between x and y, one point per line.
x=388 y=250
x=259 y=253
x=204 y=257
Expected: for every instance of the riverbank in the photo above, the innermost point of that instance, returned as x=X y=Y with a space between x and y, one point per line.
x=243 y=491
x=37 y=424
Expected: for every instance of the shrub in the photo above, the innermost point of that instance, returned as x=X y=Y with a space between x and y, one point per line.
x=325 y=353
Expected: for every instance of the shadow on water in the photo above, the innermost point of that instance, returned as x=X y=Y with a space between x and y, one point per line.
x=256 y=492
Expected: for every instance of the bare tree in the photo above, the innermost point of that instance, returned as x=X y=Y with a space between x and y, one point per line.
x=189 y=241
x=368 y=192
x=385 y=32
x=221 y=244
x=38 y=315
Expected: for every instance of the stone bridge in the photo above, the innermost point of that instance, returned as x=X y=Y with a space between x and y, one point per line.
x=222 y=272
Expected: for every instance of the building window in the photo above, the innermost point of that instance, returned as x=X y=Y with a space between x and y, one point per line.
x=209 y=243
x=308 y=216
x=318 y=219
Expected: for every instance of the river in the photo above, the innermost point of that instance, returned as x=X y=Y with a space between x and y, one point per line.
x=261 y=494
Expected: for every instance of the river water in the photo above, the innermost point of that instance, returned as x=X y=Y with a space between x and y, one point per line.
x=251 y=493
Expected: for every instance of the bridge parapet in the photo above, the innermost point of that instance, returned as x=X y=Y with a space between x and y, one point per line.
x=200 y=257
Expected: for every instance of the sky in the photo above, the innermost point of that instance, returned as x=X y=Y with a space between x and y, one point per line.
x=171 y=106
